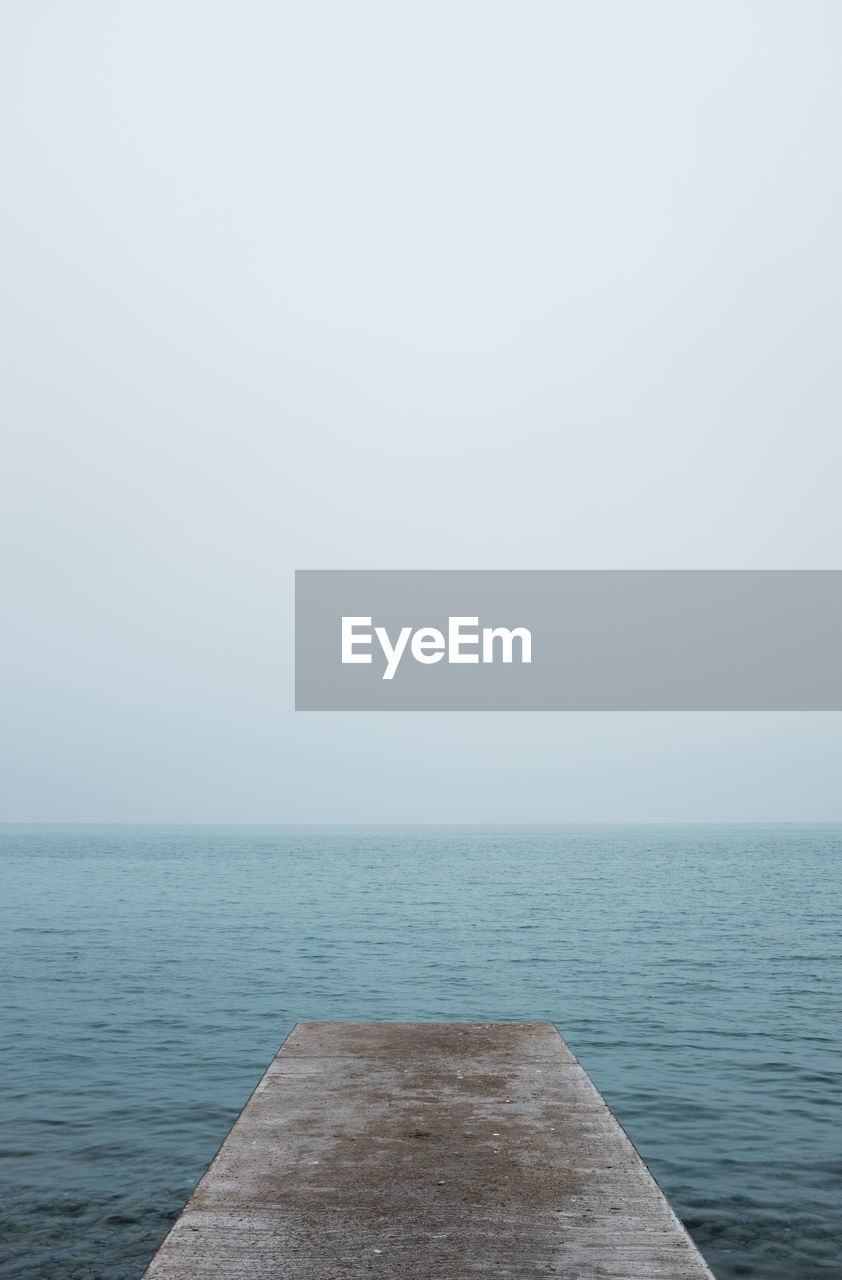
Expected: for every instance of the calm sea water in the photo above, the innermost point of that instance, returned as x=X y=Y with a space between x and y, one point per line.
x=149 y=974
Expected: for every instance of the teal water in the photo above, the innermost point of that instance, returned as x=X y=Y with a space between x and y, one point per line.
x=150 y=973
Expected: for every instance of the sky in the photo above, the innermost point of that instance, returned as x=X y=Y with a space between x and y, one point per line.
x=469 y=285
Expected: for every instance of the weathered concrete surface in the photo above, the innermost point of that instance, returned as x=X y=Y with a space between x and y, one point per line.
x=427 y=1150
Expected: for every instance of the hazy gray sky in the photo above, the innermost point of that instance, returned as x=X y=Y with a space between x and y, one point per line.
x=392 y=285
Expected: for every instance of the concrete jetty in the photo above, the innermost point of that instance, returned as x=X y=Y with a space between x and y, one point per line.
x=430 y=1150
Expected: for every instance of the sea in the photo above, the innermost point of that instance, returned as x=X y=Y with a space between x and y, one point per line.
x=149 y=974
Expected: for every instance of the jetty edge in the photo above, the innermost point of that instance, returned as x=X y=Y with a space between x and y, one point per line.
x=430 y=1151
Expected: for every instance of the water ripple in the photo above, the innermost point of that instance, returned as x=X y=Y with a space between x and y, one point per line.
x=150 y=974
